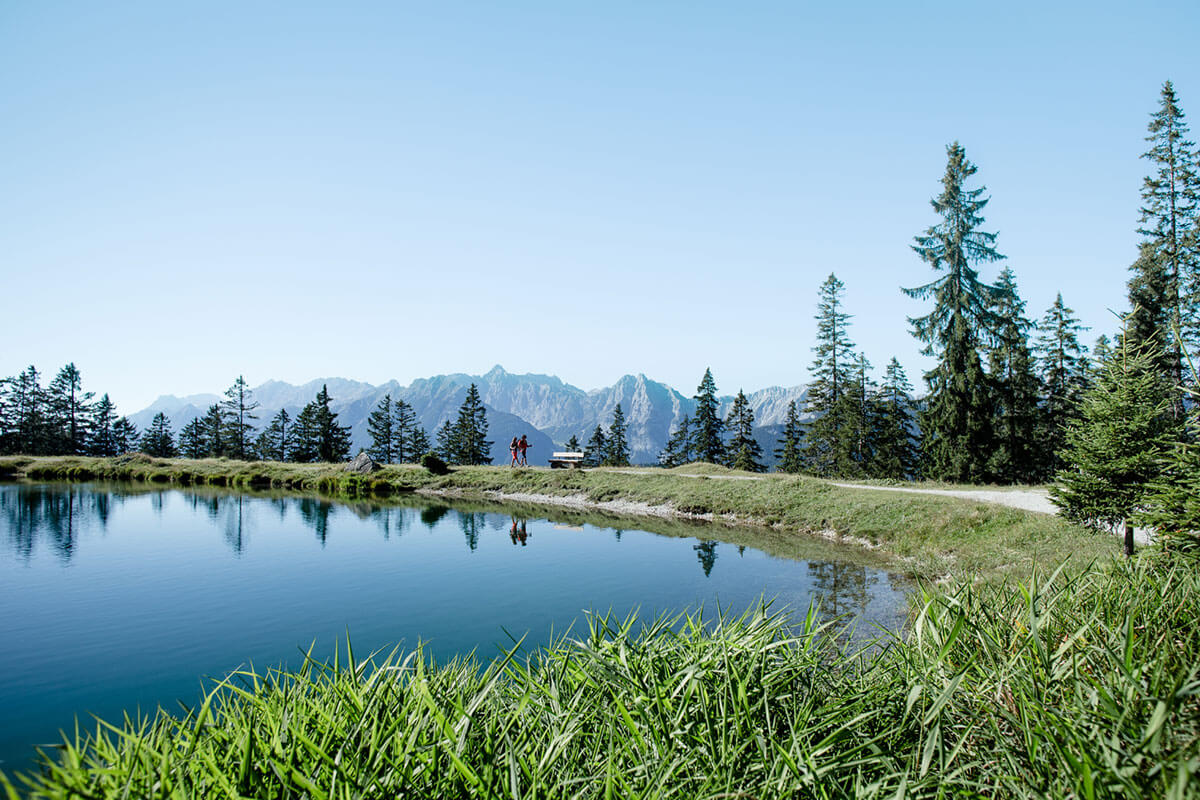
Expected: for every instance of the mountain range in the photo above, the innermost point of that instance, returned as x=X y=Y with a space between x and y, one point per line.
x=542 y=407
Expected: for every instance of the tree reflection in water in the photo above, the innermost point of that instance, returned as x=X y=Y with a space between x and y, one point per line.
x=841 y=589
x=706 y=551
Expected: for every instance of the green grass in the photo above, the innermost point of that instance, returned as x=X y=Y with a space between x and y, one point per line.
x=1080 y=686
x=930 y=536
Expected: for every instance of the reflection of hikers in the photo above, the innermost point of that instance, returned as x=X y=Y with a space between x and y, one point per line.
x=513 y=447
x=517 y=533
x=523 y=445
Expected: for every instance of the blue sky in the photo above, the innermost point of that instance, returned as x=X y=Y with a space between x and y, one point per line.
x=192 y=191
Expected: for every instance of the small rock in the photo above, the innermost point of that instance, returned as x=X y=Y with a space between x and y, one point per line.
x=362 y=464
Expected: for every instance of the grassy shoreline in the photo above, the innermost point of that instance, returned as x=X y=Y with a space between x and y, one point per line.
x=1071 y=686
x=926 y=536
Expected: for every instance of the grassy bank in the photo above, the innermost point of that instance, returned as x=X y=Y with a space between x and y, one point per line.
x=923 y=535
x=1072 y=687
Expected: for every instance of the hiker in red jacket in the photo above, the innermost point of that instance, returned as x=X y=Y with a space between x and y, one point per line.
x=522 y=446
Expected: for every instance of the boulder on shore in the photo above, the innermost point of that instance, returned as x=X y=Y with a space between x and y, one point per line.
x=362 y=464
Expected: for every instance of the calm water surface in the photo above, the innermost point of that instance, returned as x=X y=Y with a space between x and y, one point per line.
x=115 y=598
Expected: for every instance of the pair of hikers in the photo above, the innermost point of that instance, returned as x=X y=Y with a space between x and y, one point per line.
x=518 y=448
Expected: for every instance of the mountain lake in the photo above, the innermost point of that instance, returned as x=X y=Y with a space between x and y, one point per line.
x=119 y=598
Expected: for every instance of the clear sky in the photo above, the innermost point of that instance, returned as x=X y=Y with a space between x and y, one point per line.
x=195 y=190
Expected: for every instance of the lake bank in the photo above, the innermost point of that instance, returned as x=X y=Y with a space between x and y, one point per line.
x=926 y=536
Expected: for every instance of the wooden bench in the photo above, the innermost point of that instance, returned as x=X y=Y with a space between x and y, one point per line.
x=566 y=460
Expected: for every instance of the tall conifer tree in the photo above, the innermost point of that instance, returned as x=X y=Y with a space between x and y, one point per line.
x=237 y=409
x=790 y=449
x=214 y=425
x=404 y=422
x=332 y=439
x=125 y=436
x=956 y=425
x=707 y=444
x=103 y=442
x=470 y=431
x=896 y=453
x=193 y=440
x=597 y=447
x=71 y=407
x=744 y=451
x=1016 y=458
x=275 y=443
x=1169 y=264
x=617 y=449
x=158 y=440
x=381 y=425
x=829 y=435
x=27 y=415
x=1063 y=374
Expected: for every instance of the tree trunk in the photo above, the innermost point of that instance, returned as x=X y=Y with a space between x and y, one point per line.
x=1128 y=538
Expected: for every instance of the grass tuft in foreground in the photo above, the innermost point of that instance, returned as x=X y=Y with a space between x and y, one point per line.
x=1082 y=686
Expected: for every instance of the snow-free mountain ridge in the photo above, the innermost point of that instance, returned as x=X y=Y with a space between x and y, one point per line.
x=542 y=407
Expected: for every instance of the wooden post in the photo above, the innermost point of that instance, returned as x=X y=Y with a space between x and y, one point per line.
x=1128 y=538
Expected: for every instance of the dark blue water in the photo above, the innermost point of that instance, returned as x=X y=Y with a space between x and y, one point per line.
x=114 y=599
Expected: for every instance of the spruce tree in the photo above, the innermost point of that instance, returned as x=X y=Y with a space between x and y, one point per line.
x=470 y=431
x=158 y=441
x=707 y=444
x=103 y=441
x=1172 y=505
x=744 y=450
x=829 y=436
x=418 y=442
x=333 y=440
x=573 y=444
x=125 y=436
x=790 y=449
x=214 y=425
x=404 y=424
x=447 y=446
x=1113 y=452
x=597 y=447
x=27 y=415
x=896 y=451
x=956 y=424
x=193 y=440
x=616 y=452
x=306 y=444
x=381 y=425
x=679 y=446
x=237 y=409
x=1064 y=377
x=1170 y=229
x=275 y=443
x=70 y=407
x=1016 y=458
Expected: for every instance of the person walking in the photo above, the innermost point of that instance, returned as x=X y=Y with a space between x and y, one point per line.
x=513 y=447
x=522 y=446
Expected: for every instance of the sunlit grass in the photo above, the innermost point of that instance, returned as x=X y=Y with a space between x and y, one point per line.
x=1080 y=686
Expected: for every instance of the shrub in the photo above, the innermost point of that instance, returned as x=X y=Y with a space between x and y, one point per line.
x=431 y=462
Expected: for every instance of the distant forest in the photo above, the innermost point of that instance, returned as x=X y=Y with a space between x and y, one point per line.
x=1010 y=400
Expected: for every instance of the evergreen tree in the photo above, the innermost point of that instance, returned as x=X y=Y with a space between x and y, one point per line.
x=333 y=440
x=214 y=425
x=789 y=451
x=679 y=446
x=381 y=425
x=1169 y=225
x=26 y=414
x=831 y=436
x=306 y=437
x=707 y=444
x=1101 y=352
x=237 y=409
x=103 y=441
x=470 y=431
x=896 y=452
x=573 y=444
x=1113 y=452
x=1064 y=377
x=1172 y=505
x=409 y=446
x=70 y=408
x=597 y=447
x=744 y=450
x=447 y=446
x=956 y=425
x=276 y=442
x=616 y=454
x=158 y=441
x=125 y=436
x=1016 y=458
x=193 y=440
x=418 y=442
